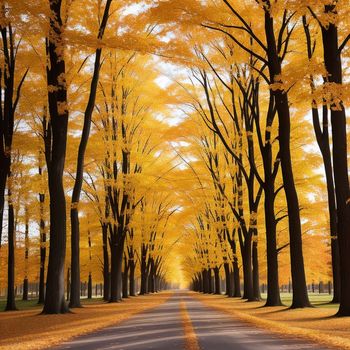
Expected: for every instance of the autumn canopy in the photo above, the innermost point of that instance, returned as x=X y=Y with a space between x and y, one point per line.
x=148 y=145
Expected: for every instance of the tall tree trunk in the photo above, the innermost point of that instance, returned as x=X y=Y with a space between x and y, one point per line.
x=205 y=281
x=3 y=179
x=25 y=289
x=132 y=266
x=235 y=278
x=332 y=58
x=248 y=292
x=322 y=138
x=217 y=281
x=229 y=291
x=323 y=143
x=125 y=278
x=26 y=256
x=200 y=282
x=117 y=250
x=144 y=278
x=255 y=261
x=74 y=301
x=106 y=274
x=58 y=107
x=89 y=296
x=273 y=291
x=42 y=249
x=74 y=214
x=300 y=296
x=10 y=302
x=210 y=281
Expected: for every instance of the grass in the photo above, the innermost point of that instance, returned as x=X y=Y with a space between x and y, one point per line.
x=317 y=324
x=28 y=329
x=32 y=304
x=318 y=300
x=22 y=305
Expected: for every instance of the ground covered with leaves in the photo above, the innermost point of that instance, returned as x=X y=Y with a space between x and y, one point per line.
x=317 y=324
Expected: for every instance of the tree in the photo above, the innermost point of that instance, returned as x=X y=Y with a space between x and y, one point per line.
x=58 y=109
x=75 y=264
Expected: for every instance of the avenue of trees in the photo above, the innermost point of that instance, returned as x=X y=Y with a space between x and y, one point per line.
x=174 y=140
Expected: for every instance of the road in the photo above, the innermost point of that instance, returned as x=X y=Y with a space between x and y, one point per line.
x=162 y=328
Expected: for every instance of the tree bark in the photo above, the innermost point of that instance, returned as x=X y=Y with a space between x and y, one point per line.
x=117 y=250
x=229 y=291
x=205 y=281
x=144 y=278
x=248 y=292
x=217 y=281
x=106 y=274
x=26 y=256
x=273 y=291
x=25 y=290
x=332 y=59
x=132 y=290
x=322 y=138
x=58 y=107
x=126 y=278
x=89 y=296
x=256 y=284
x=74 y=214
x=42 y=249
x=300 y=296
x=11 y=302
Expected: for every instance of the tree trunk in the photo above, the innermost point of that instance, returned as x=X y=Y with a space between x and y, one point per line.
x=89 y=296
x=25 y=289
x=322 y=138
x=26 y=256
x=205 y=281
x=229 y=291
x=74 y=214
x=255 y=260
x=58 y=107
x=235 y=278
x=132 y=290
x=144 y=278
x=117 y=250
x=210 y=281
x=248 y=292
x=217 y=281
x=3 y=179
x=200 y=282
x=300 y=296
x=74 y=301
x=332 y=58
x=125 y=279
x=68 y=283
x=11 y=303
x=42 y=250
x=273 y=291
x=106 y=274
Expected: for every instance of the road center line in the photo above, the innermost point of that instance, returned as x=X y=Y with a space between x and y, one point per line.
x=191 y=342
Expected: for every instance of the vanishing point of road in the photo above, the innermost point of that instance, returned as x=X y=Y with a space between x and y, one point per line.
x=164 y=328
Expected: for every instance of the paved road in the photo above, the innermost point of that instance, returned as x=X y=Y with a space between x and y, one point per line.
x=218 y=331
x=161 y=329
